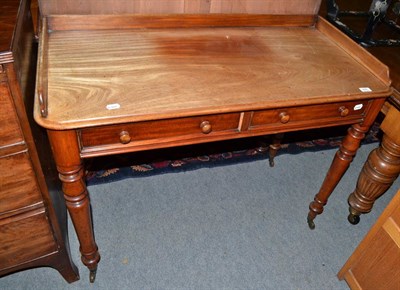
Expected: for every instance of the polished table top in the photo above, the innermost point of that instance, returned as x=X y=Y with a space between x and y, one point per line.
x=116 y=76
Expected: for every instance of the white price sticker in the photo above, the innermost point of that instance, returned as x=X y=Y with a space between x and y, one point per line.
x=358 y=107
x=113 y=106
x=365 y=90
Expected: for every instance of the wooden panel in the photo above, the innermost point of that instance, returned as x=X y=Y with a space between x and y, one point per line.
x=160 y=129
x=49 y=7
x=396 y=217
x=97 y=22
x=175 y=72
x=10 y=132
x=24 y=238
x=379 y=268
x=375 y=262
x=18 y=187
x=393 y=230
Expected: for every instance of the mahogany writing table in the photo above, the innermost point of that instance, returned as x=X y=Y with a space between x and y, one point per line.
x=110 y=84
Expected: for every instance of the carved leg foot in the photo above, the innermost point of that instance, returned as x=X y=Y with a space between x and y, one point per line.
x=378 y=174
x=274 y=147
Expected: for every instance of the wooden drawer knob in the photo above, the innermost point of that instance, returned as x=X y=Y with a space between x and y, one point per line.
x=205 y=127
x=124 y=137
x=284 y=117
x=343 y=111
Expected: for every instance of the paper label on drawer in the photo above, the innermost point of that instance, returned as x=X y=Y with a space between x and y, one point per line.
x=365 y=90
x=113 y=106
x=358 y=107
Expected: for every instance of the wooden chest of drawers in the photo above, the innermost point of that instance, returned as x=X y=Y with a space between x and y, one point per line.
x=32 y=229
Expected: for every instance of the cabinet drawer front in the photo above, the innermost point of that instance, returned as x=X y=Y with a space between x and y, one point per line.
x=10 y=132
x=315 y=113
x=18 y=186
x=162 y=129
x=25 y=238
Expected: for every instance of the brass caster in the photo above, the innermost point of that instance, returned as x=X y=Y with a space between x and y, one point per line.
x=271 y=163
x=353 y=218
x=92 y=275
x=310 y=222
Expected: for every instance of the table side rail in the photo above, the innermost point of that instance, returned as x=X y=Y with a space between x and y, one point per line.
x=361 y=55
x=41 y=95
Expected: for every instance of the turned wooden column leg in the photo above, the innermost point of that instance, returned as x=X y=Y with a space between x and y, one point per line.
x=340 y=163
x=378 y=174
x=71 y=172
x=274 y=148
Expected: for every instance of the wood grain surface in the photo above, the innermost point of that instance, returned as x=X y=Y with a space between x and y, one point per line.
x=10 y=131
x=51 y=7
x=115 y=76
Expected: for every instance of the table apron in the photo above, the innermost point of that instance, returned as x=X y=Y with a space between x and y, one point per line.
x=132 y=137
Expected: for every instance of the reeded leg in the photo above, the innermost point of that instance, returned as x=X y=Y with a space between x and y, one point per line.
x=340 y=163
x=69 y=165
x=378 y=174
x=274 y=147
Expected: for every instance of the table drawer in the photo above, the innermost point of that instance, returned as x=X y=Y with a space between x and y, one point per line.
x=325 y=113
x=161 y=129
x=24 y=238
x=10 y=132
x=18 y=186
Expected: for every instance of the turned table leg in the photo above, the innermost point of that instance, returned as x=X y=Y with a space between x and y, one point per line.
x=379 y=171
x=71 y=172
x=341 y=162
x=274 y=148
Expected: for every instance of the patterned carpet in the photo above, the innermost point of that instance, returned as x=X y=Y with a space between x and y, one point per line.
x=114 y=168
